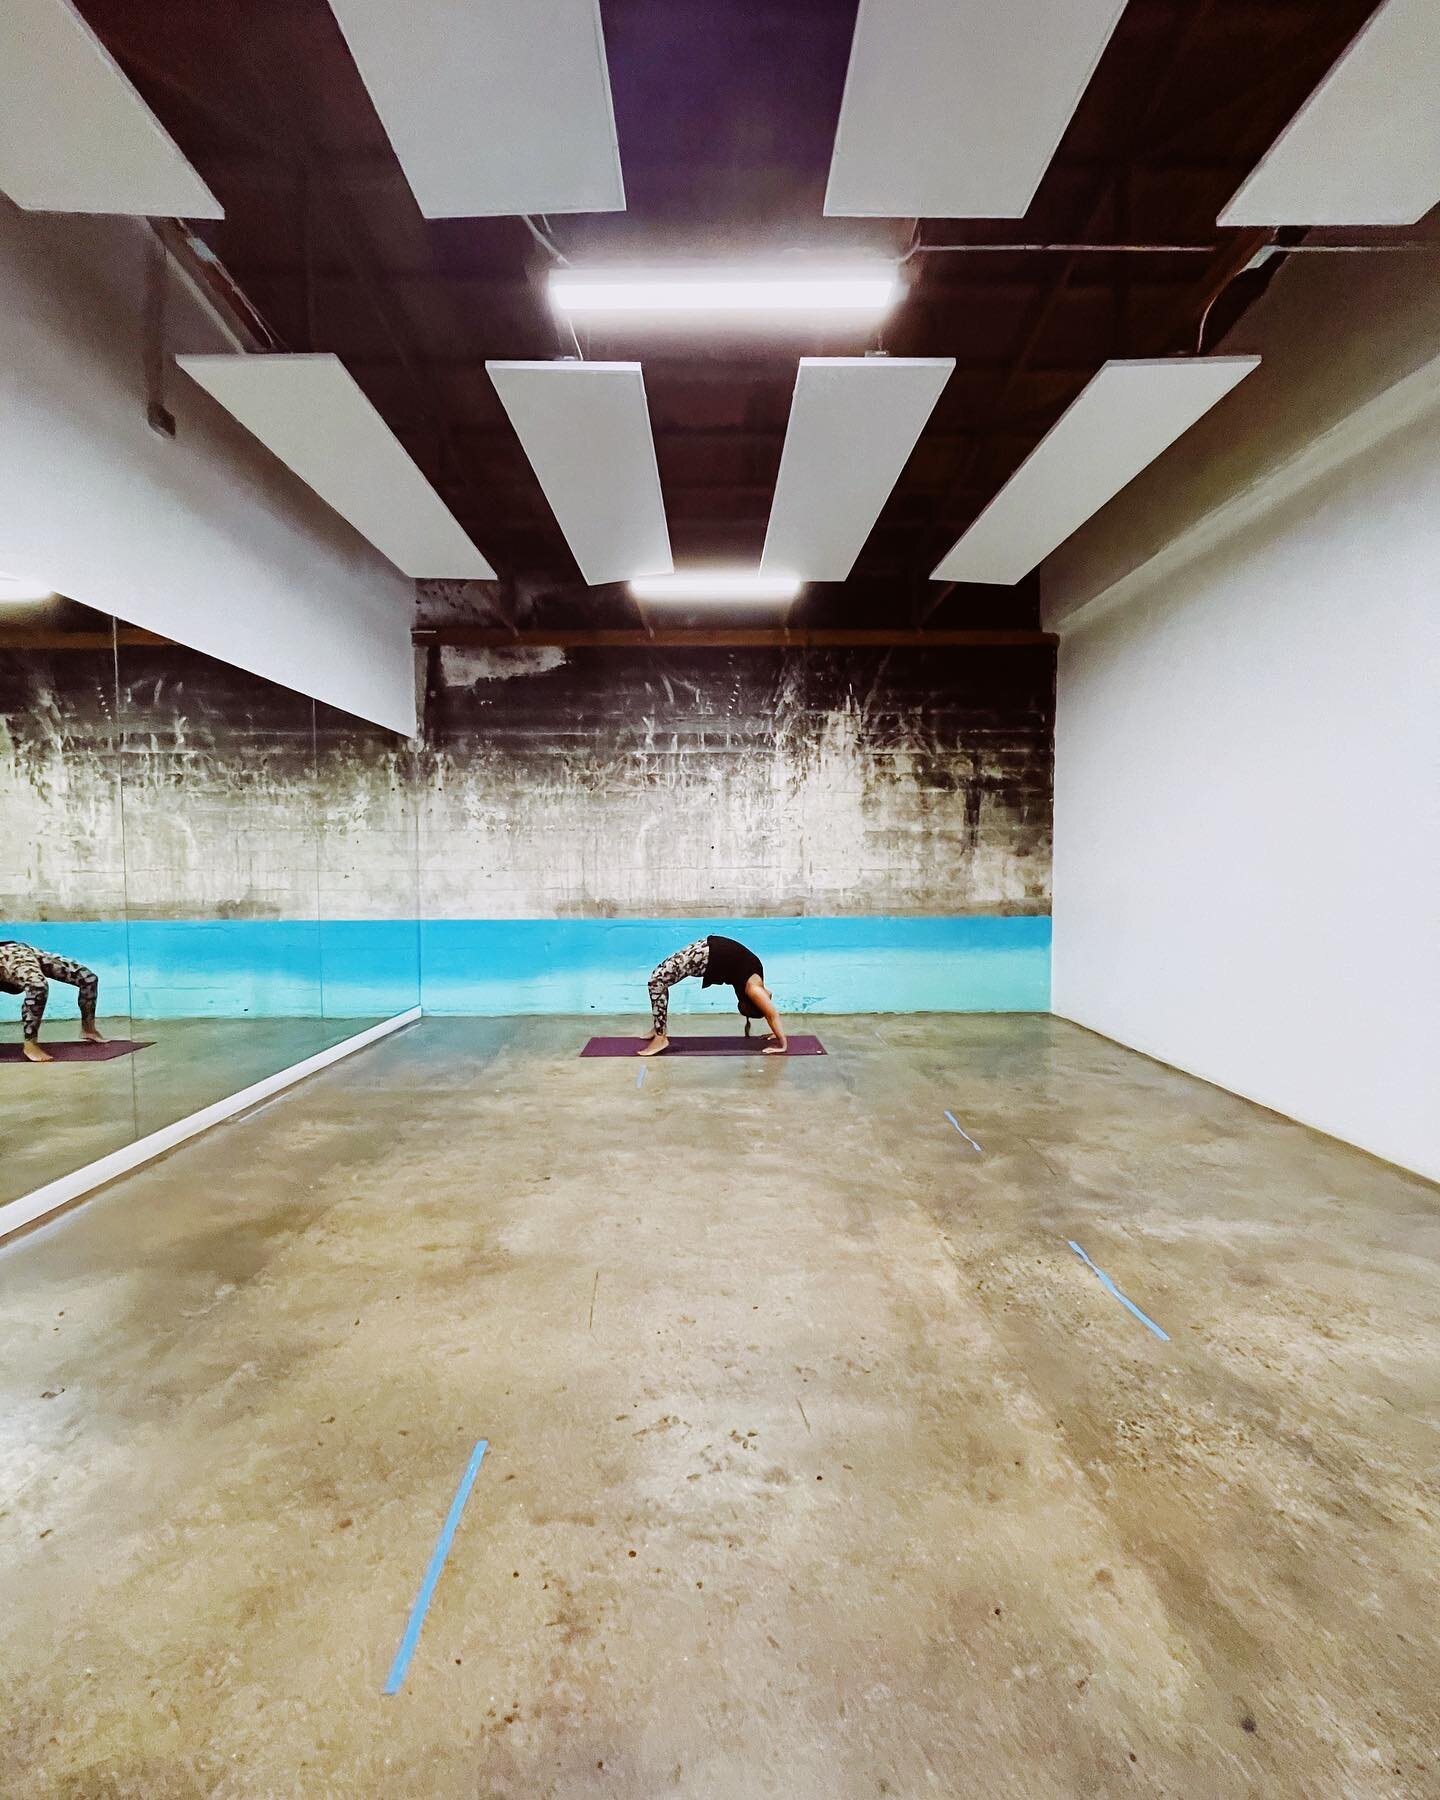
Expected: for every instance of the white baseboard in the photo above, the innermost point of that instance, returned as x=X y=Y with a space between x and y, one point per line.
x=15 y=1215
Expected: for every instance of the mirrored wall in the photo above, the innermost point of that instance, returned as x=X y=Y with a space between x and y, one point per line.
x=233 y=865
x=62 y=902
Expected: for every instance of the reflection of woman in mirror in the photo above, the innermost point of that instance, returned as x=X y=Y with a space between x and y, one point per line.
x=29 y=972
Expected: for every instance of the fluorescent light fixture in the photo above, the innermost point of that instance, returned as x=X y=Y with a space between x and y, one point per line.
x=718 y=584
x=953 y=108
x=586 y=428
x=74 y=135
x=1128 y=414
x=311 y=413
x=18 y=590
x=864 y=290
x=493 y=107
x=1364 y=149
x=853 y=423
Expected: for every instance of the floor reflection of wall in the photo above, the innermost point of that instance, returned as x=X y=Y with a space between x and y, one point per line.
x=56 y=1117
x=59 y=1117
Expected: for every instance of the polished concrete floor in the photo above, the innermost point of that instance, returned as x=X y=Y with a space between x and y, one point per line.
x=820 y=1465
x=59 y=1116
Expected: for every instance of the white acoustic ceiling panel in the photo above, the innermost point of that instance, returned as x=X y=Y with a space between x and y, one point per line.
x=309 y=411
x=1365 y=147
x=74 y=135
x=1127 y=415
x=586 y=429
x=853 y=423
x=953 y=108
x=493 y=106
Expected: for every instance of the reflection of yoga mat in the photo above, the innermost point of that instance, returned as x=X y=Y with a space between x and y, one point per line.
x=83 y=1051
x=701 y=1046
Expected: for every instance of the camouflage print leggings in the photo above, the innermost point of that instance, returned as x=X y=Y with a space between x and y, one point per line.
x=694 y=959
x=29 y=972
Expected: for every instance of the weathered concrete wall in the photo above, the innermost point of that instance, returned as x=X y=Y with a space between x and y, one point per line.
x=60 y=804
x=266 y=854
x=162 y=785
x=595 y=785
x=606 y=784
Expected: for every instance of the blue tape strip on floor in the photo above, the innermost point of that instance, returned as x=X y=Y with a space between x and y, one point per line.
x=963 y=1132
x=1110 y=1288
x=432 y=1573
x=639 y=1079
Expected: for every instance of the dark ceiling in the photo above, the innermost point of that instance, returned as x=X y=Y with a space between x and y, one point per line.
x=726 y=113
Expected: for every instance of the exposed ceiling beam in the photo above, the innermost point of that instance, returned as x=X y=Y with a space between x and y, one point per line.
x=127 y=637
x=740 y=638
x=949 y=271
x=716 y=370
x=379 y=171
x=676 y=440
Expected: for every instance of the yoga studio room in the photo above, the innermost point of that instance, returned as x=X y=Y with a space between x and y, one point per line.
x=720 y=915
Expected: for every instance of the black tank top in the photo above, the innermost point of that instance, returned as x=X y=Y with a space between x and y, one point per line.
x=731 y=964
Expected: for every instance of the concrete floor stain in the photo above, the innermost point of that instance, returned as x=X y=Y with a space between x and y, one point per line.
x=1044 y=1562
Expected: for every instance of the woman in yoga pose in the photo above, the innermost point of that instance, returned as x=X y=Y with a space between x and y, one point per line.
x=718 y=961
x=28 y=972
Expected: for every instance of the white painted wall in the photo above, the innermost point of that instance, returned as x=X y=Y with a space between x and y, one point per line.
x=205 y=538
x=1247 y=798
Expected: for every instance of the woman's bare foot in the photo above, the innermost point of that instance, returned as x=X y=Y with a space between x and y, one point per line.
x=32 y=1052
x=91 y=1034
x=655 y=1046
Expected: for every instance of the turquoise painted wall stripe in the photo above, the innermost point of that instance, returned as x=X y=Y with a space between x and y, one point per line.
x=354 y=968
x=824 y=965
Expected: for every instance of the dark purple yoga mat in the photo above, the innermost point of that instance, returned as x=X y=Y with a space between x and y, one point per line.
x=701 y=1046
x=83 y=1051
